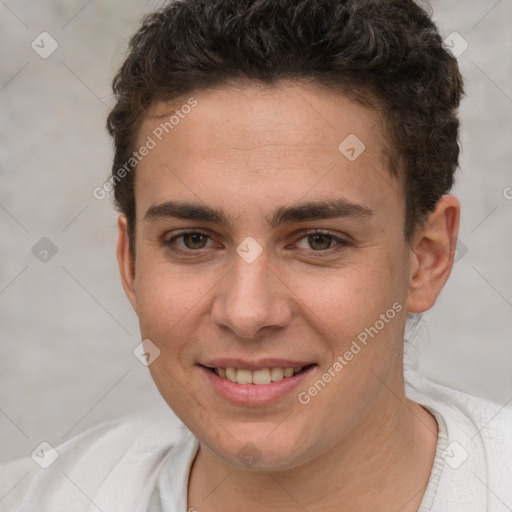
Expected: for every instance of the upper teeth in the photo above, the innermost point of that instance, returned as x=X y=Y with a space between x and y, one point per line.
x=263 y=376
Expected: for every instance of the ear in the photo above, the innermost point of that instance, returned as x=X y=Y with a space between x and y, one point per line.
x=432 y=254
x=125 y=260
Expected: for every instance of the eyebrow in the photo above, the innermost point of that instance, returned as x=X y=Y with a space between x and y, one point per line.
x=312 y=210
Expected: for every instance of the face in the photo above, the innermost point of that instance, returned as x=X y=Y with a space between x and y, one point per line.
x=261 y=245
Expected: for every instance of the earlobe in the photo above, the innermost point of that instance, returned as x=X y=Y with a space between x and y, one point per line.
x=125 y=260
x=432 y=255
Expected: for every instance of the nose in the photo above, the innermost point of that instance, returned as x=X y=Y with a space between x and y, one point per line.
x=251 y=299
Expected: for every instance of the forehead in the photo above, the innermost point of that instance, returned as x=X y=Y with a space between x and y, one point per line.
x=270 y=142
x=252 y=113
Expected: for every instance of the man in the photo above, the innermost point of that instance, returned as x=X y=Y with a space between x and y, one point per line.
x=282 y=171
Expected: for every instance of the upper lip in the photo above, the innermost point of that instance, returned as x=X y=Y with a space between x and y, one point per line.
x=254 y=364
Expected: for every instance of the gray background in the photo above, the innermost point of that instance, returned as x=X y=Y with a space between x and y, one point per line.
x=67 y=331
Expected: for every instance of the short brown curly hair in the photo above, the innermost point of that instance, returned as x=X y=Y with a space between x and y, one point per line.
x=383 y=53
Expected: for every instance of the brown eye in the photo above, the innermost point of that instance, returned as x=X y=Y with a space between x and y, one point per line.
x=187 y=242
x=322 y=243
x=319 y=241
x=194 y=240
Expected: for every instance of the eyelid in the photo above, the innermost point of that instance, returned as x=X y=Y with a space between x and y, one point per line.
x=181 y=233
x=340 y=242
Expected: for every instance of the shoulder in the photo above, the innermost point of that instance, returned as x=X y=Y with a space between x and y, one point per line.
x=15 y=479
x=120 y=457
x=476 y=416
x=477 y=451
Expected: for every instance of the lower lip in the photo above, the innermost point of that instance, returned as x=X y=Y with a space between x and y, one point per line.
x=256 y=394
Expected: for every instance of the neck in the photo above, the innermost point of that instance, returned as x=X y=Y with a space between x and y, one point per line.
x=383 y=464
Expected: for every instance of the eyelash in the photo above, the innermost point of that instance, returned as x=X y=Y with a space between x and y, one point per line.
x=340 y=242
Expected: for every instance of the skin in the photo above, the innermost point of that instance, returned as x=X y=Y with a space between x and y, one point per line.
x=360 y=444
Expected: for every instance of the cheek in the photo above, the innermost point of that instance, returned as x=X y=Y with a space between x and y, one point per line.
x=360 y=315
x=165 y=294
x=347 y=300
x=169 y=304
x=173 y=305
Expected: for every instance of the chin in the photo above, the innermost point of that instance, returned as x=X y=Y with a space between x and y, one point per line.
x=254 y=448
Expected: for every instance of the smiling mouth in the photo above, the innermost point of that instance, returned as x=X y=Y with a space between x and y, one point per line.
x=258 y=377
